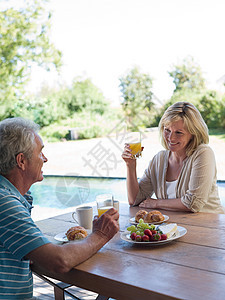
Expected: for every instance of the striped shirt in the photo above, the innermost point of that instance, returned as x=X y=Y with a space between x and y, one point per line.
x=18 y=236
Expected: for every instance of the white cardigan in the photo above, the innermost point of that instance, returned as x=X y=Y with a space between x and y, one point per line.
x=196 y=185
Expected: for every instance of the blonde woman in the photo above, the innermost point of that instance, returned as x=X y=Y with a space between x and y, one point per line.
x=183 y=177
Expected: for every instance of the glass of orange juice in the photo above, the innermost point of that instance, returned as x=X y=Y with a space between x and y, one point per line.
x=134 y=140
x=104 y=203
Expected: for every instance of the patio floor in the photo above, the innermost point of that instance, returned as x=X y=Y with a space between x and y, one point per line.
x=102 y=156
x=44 y=291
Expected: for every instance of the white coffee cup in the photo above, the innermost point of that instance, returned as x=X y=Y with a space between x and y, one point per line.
x=84 y=216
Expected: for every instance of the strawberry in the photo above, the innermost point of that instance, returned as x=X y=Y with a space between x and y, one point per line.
x=163 y=236
x=153 y=231
x=138 y=238
x=148 y=232
x=156 y=237
x=133 y=235
x=145 y=238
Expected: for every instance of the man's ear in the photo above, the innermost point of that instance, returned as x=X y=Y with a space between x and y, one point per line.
x=20 y=159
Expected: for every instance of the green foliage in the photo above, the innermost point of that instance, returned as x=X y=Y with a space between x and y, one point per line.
x=86 y=96
x=212 y=108
x=187 y=75
x=89 y=125
x=64 y=103
x=220 y=133
x=210 y=104
x=50 y=105
x=24 y=40
x=190 y=87
x=137 y=97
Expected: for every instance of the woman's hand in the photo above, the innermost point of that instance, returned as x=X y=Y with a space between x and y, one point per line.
x=149 y=203
x=128 y=157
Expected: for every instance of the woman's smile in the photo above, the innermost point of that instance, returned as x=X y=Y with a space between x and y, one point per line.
x=176 y=136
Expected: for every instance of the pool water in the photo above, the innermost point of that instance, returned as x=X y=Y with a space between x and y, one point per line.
x=63 y=192
x=221 y=187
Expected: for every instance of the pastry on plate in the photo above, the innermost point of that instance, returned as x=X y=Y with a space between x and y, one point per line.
x=140 y=215
x=76 y=233
x=154 y=216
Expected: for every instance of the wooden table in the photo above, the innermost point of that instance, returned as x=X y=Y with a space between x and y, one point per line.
x=191 y=267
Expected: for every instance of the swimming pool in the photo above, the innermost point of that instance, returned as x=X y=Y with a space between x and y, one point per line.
x=58 y=194
x=62 y=192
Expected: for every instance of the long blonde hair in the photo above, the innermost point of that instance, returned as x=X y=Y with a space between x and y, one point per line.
x=193 y=123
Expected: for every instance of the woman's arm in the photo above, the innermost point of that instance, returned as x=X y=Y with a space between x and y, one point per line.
x=202 y=178
x=132 y=183
x=167 y=204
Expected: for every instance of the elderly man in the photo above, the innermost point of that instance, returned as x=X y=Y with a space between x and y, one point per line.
x=21 y=162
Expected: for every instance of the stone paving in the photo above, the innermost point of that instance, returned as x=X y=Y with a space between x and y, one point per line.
x=102 y=156
x=45 y=291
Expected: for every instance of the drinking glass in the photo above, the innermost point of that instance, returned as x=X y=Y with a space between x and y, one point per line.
x=134 y=140
x=104 y=202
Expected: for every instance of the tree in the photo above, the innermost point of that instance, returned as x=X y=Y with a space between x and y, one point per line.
x=137 y=96
x=210 y=103
x=86 y=96
x=51 y=105
x=187 y=75
x=24 y=40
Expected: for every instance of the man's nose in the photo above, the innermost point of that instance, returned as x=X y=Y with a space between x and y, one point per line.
x=44 y=158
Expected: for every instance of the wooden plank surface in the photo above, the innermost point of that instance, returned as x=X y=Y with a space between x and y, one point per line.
x=123 y=276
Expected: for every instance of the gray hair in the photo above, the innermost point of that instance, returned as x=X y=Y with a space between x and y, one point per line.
x=17 y=135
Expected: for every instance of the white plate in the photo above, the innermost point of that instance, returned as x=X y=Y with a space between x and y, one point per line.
x=181 y=231
x=61 y=237
x=166 y=218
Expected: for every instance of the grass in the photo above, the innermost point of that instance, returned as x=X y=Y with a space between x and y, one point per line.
x=220 y=133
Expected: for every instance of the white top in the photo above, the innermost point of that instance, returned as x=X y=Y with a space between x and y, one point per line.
x=171 y=189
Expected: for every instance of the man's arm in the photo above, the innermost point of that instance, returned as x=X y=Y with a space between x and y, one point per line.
x=62 y=258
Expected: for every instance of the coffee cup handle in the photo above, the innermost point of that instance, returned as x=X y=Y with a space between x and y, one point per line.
x=74 y=213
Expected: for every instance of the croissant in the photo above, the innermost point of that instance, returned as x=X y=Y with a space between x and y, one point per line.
x=154 y=216
x=140 y=215
x=76 y=233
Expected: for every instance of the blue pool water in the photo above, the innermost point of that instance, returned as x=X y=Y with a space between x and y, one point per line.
x=63 y=192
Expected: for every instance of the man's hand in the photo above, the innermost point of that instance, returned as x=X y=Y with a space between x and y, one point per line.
x=107 y=225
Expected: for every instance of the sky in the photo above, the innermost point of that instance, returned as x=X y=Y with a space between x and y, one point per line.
x=103 y=39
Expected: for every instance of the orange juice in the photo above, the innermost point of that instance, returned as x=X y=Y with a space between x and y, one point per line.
x=135 y=148
x=103 y=209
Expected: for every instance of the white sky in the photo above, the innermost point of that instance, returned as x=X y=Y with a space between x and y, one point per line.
x=103 y=39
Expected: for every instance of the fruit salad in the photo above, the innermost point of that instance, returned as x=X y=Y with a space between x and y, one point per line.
x=144 y=232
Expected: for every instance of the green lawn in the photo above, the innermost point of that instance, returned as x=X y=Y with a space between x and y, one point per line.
x=220 y=133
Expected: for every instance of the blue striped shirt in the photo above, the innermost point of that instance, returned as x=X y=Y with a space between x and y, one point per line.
x=18 y=236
